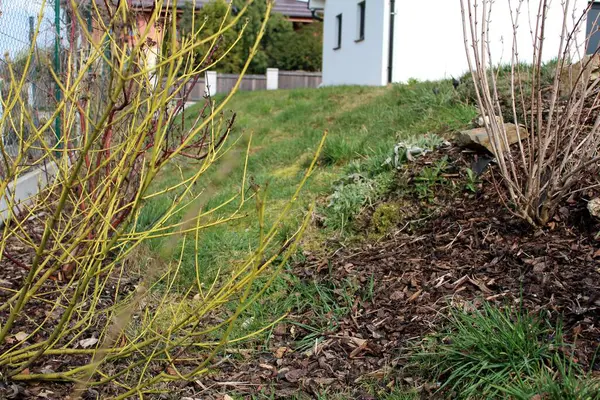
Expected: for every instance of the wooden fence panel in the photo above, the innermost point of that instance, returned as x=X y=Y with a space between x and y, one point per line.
x=287 y=80
x=226 y=82
x=299 y=79
x=196 y=91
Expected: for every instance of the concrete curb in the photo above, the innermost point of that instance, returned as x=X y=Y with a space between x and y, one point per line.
x=23 y=190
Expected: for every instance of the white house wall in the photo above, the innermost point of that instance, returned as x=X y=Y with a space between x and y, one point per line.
x=430 y=42
x=428 y=39
x=356 y=63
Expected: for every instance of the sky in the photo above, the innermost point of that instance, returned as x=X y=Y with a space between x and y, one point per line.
x=14 y=25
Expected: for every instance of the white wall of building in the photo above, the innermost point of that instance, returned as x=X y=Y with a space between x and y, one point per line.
x=355 y=63
x=428 y=39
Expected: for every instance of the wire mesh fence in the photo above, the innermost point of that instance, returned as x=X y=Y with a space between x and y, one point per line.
x=30 y=48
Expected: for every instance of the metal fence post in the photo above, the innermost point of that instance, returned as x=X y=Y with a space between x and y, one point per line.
x=33 y=72
x=57 y=95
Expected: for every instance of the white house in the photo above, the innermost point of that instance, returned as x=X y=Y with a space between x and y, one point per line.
x=374 y=42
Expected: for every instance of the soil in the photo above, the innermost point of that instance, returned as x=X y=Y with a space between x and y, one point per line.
x=460 y=249
x=457 y=248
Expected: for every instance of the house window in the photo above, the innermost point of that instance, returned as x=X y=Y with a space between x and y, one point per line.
x=593 y=28
x=360 y=29
x=338 y=28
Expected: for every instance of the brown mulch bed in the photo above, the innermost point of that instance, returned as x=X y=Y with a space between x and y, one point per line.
x=457 y=249
x=468 y=249
x=41 y=314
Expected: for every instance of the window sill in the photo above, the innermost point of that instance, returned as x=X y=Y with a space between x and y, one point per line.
x=362 y=39
x=337 y=48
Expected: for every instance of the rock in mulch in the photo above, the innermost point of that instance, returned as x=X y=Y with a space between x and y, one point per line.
x=594 y=207
x=478 y=138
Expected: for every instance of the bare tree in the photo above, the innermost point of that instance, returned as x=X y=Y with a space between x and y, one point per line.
x=558 y=127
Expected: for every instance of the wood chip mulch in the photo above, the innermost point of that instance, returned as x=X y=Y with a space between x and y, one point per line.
x=459 y=249
x=469 y=250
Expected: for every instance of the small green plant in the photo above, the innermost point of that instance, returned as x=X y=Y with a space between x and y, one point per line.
x=385 y=217
x=486 y=350
x=347 y=200
x=409 y=149
x=351 y=195
x=403 y=394
x=429 y=178
x=472 y=181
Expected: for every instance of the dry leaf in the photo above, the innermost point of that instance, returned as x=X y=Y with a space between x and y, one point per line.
x=280 y=330
x=397 y=295
x=267 y=366
x=358 y=350
x=414 y=296
x=25 y=371
x=227 y=397
x=280 y=352
x=295 y=375
x=324 y=381
x=357 y=341
x=171 y=371
x=21 y=336
x=85 y=343
x=45 y=394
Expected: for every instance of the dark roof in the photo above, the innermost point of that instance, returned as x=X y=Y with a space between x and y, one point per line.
x=288 y=8
x=292 y=8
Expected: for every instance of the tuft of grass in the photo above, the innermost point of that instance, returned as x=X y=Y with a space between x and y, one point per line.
x=486 y=350
x=339 y=150
x=565 y=381
x=499 y=352
x=403 y=395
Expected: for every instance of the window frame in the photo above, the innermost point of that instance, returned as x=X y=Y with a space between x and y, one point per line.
x=338 y=23
x=360 y=19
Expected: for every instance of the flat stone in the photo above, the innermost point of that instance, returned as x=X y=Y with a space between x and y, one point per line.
x=478 y=138
x=593 y=207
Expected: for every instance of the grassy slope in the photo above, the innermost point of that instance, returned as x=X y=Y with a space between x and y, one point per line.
x=363 y=124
